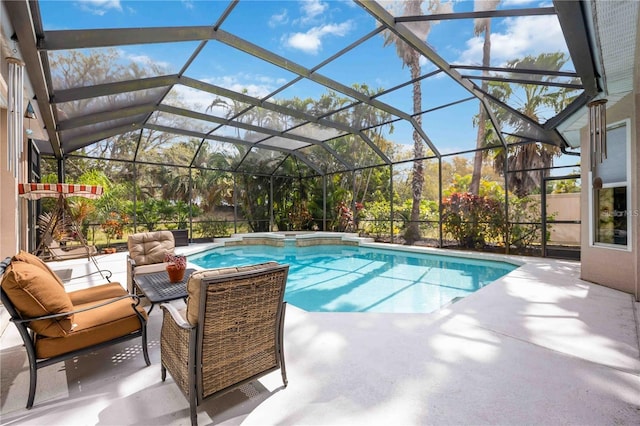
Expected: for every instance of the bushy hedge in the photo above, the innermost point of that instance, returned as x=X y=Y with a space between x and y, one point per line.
x=472 y=220
x=475 y=221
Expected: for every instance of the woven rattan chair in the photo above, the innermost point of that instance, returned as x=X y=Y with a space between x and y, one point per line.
x=230 y=334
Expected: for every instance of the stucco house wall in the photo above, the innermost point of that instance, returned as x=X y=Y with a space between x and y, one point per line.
x=609 y=266
x=9 y=233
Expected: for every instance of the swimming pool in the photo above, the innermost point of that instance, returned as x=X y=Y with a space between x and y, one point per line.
x=340 y=278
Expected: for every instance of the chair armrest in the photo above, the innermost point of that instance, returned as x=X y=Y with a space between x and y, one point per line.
x=65 y=314
x=149 y=268
x=176 y=316
x=131 y=266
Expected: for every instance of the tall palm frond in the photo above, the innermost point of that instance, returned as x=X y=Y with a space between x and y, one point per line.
x=520 y=159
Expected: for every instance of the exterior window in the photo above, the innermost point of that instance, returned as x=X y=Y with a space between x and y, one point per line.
x=611 y=207
x=611 y=195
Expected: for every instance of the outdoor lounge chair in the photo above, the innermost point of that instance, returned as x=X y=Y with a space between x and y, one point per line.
x=55 y=325
x=147 y=251
x=231 y=332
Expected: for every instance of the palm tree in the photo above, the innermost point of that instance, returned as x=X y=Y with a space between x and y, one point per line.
x=411 y=58
x=481 y=25
x=535 y=98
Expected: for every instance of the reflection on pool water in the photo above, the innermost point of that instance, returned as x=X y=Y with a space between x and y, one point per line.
x=340 y=278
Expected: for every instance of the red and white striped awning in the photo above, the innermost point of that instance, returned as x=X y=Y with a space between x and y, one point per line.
x=35 y=191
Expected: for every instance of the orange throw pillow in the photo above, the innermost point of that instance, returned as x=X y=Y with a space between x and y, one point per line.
x=25 y=256
x=35 y=292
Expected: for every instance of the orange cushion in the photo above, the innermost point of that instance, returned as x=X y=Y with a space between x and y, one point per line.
x=150 y=247
x=99 y=292
x=193 y=285
x=26 y=257
x=35 y=292
x=93 y=327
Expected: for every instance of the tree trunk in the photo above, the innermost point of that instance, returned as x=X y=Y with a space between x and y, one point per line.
x=474 y=187
x=412 y=233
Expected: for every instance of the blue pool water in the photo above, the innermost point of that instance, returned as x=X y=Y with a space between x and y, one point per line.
x=338 y=278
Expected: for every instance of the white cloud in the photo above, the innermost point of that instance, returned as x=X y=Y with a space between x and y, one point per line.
x=147 y=61
x=311 y=41
x=256 y=90
x=315 y=14
x=194 y=99
x=527 y=35
x=99 y=7
x=279 y=19
x=188 y=4
x=311 y=9
x=258 y=86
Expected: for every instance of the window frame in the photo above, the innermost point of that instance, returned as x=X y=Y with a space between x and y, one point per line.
x=593 y=215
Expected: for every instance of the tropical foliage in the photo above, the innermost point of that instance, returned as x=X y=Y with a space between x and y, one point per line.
x=524 y=161
x=472 y=220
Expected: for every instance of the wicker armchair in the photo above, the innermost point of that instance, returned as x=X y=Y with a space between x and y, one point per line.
x=230 y=334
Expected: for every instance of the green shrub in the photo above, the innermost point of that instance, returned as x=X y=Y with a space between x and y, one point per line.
x=525 y=228
x=378 y=219
x=472 y=220
x=213 y=228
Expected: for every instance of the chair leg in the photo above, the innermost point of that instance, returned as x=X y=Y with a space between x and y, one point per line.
x=192 y=380
x=28 y=340
x=143 y=329
x=284 y=375
x=280 y=348
x=33 y=379
x=193 y=408
x=145 y=350
x=283 y=369
x=163 y=372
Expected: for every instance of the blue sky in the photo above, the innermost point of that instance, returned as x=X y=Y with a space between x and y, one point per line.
x=309 y=32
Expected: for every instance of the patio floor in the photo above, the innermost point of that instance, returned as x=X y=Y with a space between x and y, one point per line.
x=539 y=346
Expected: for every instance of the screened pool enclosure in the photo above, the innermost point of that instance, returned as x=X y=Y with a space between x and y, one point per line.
x=419 y=122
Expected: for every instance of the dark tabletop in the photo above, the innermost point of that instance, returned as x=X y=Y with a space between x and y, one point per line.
x=157 y=288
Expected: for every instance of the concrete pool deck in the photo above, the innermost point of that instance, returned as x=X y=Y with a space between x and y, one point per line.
x=538 y=346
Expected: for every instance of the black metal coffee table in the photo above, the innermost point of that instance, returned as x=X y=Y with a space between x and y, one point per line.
x=157 y=288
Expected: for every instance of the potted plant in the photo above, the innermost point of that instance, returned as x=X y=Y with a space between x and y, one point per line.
x=176 y=265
